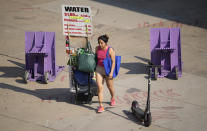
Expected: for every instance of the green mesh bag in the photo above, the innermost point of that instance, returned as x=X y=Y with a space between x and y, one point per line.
x=73 y=60
x=86 y=60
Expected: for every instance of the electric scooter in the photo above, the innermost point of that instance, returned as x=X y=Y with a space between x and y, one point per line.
x=144 y=115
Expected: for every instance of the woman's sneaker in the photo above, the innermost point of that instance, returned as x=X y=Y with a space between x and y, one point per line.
x=113 y=103
x=101 y=109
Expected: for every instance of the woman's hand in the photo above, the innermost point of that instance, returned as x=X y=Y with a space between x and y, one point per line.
x=111 y=75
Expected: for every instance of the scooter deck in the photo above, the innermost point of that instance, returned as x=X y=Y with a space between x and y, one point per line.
x=139 y=113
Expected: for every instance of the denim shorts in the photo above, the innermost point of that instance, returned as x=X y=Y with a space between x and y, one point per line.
x=100 y=70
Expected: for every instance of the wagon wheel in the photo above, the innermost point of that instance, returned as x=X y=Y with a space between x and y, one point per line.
x=89 y=101
x=76 y=93
x=26 y=76
x=147 y=120
x=46 y=77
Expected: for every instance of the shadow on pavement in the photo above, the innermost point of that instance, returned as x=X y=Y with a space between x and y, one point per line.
x=13 y=72
x=136 y=67
x=132 y=118
x=63 y=95
x=191 y=12
x=58 y=94
x=11 y=57
x=143 y=59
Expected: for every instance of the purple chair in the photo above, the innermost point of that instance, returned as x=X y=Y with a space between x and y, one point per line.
x=40 y=57
x=166 y=51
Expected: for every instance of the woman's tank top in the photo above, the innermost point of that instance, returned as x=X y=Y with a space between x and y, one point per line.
x=101 y=55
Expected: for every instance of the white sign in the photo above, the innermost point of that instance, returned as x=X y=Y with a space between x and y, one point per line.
x=77 y=20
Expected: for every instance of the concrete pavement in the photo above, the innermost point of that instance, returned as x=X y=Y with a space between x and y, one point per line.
x=176 y=105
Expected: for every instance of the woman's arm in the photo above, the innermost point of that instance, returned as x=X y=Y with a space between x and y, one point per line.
x=112 y=55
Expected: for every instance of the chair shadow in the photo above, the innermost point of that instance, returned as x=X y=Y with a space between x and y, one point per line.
x=143 y=59
x=11 y=57
x=13 y=72
x=136 y=67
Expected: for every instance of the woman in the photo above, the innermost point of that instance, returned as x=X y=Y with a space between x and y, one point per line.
x=101 y=51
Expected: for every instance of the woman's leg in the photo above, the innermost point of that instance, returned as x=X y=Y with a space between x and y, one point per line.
x=109 y=82
x=99 y=81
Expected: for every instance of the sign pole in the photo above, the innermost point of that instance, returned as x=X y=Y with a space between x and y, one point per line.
x=69 y=66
